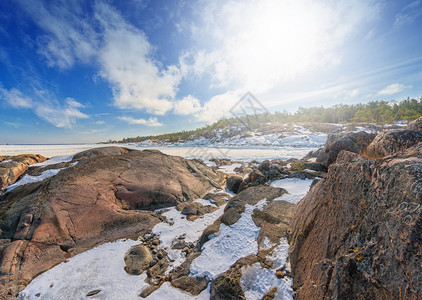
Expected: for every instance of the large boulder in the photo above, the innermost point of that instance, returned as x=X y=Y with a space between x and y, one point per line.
x=109 y=194
x=355 y=142
x=357 y=233
x=390 y=142
x=416 y=124
x=14 y=167
x=233 y=183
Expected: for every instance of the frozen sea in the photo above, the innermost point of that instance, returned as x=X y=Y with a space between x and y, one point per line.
x=243 y=153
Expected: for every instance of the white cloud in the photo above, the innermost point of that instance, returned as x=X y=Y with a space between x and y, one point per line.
x=393 y=89
x=187 y=106
x=218 y=107
x=62 y=117
x=15 y=98
x=46 y=107
x=127 y=64
x=101 y=122
x=122 y=51
x=151 y=122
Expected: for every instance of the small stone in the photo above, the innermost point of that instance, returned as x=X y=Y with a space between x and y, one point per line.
x=154 y=251
x=160 y=255
x=155 y=242
x=92 y=293
x=37 y=294
x=279 y=274
x=153 y=262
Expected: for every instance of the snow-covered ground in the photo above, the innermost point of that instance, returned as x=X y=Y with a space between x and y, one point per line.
x=305 y=139
x=231 y=243
x=296 y=188
x=102 y=268
x=181 y=226
x=256 y=281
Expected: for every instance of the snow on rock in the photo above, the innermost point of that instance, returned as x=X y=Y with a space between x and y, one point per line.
x=229 y=169
x=31 y=179
x=167 y=291
x=265 y=243
x=231 y=243
x=101 y=268
x=5 y=161
x=304 y=138
x=256 y=281
x=178 y=226
x=54 y=160
x=296 y=188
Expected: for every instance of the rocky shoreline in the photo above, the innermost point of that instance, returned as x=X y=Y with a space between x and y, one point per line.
x=355 y=235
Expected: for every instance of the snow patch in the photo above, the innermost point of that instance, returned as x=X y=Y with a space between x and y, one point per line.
x=256 y=281
x=265 y=243
x=178 y=226
x=296 y=188
x=31 y=179
x=101 y=268
x=231 y=243
x=229 y=169
x=53 y=161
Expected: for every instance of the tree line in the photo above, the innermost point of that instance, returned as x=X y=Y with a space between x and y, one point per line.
x=379 y=112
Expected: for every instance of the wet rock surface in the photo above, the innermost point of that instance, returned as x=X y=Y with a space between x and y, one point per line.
x=357 y=233
x=108 y=195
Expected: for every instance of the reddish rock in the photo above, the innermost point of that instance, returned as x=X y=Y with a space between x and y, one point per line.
x=357 y=233
x=416 y=124
x=355 y=142
x=390 y=142
x=108 y=195
x=12 y=170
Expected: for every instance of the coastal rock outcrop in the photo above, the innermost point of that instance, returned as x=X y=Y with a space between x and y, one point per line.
x=11 y=168
x=357 y=233
x=109 y=194
x=416 y=124
x=355 y=142
x=390 y=142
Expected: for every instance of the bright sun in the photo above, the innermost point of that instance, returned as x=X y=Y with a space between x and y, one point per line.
x=271 y=40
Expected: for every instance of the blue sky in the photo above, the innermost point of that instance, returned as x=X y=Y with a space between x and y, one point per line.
x=86 y=71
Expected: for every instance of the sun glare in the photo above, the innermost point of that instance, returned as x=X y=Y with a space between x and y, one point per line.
x=271 y=41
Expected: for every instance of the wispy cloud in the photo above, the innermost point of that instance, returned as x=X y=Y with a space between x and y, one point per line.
x=46 y=106
x=408 y=14
x=15 y=98
x=12 y=124
x=151 y=122
x=392 y=89
x=69 y=35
